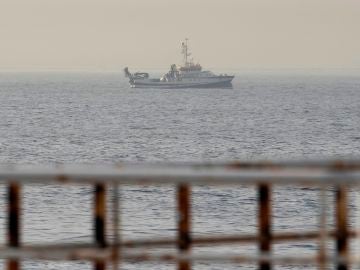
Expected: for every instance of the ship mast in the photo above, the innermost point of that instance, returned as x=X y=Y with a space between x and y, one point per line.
x=185 y=52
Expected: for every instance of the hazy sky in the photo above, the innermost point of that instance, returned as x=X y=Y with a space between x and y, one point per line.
x=109 y=34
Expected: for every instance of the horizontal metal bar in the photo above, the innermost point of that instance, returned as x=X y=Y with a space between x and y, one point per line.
x=345 y=163
x=89 y=254
x=217 y=257
x=331 y=164
x=234 y=239
x=159 y=174
x=196 y=241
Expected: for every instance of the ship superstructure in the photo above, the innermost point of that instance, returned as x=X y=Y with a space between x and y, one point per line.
x=187 y=75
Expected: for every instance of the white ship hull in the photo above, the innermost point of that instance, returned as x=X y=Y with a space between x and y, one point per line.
x=212 y=82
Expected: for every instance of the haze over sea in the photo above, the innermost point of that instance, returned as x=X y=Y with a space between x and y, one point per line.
x=91 y=117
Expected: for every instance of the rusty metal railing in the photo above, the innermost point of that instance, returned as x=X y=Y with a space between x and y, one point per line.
x=339 y=175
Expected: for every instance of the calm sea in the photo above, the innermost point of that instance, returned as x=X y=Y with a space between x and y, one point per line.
x=49 y=118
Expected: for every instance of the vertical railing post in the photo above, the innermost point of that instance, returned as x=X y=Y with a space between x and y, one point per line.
x=13 y=222
x=99 y=221
x=341 y=227
x=184 y=223
x=116 y=223
x=264 y=219
x=322 y=252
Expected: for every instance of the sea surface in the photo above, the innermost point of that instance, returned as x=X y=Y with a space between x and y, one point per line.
x=95 y=118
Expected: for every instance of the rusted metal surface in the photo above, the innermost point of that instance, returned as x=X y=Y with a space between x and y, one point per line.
x=13 y=222
x=99 y=222
x=324 y=175
x=184 y=223
x=341 y=225
x=264 y=217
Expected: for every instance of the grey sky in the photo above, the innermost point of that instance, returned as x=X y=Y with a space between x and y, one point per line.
x=109 y=34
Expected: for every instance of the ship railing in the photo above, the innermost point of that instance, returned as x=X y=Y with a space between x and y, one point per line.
x=335 y=176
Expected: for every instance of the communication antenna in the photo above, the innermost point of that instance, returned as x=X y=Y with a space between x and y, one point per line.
x=185 y=51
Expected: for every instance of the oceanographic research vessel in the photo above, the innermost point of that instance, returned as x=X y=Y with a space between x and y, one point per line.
x=188 y=75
